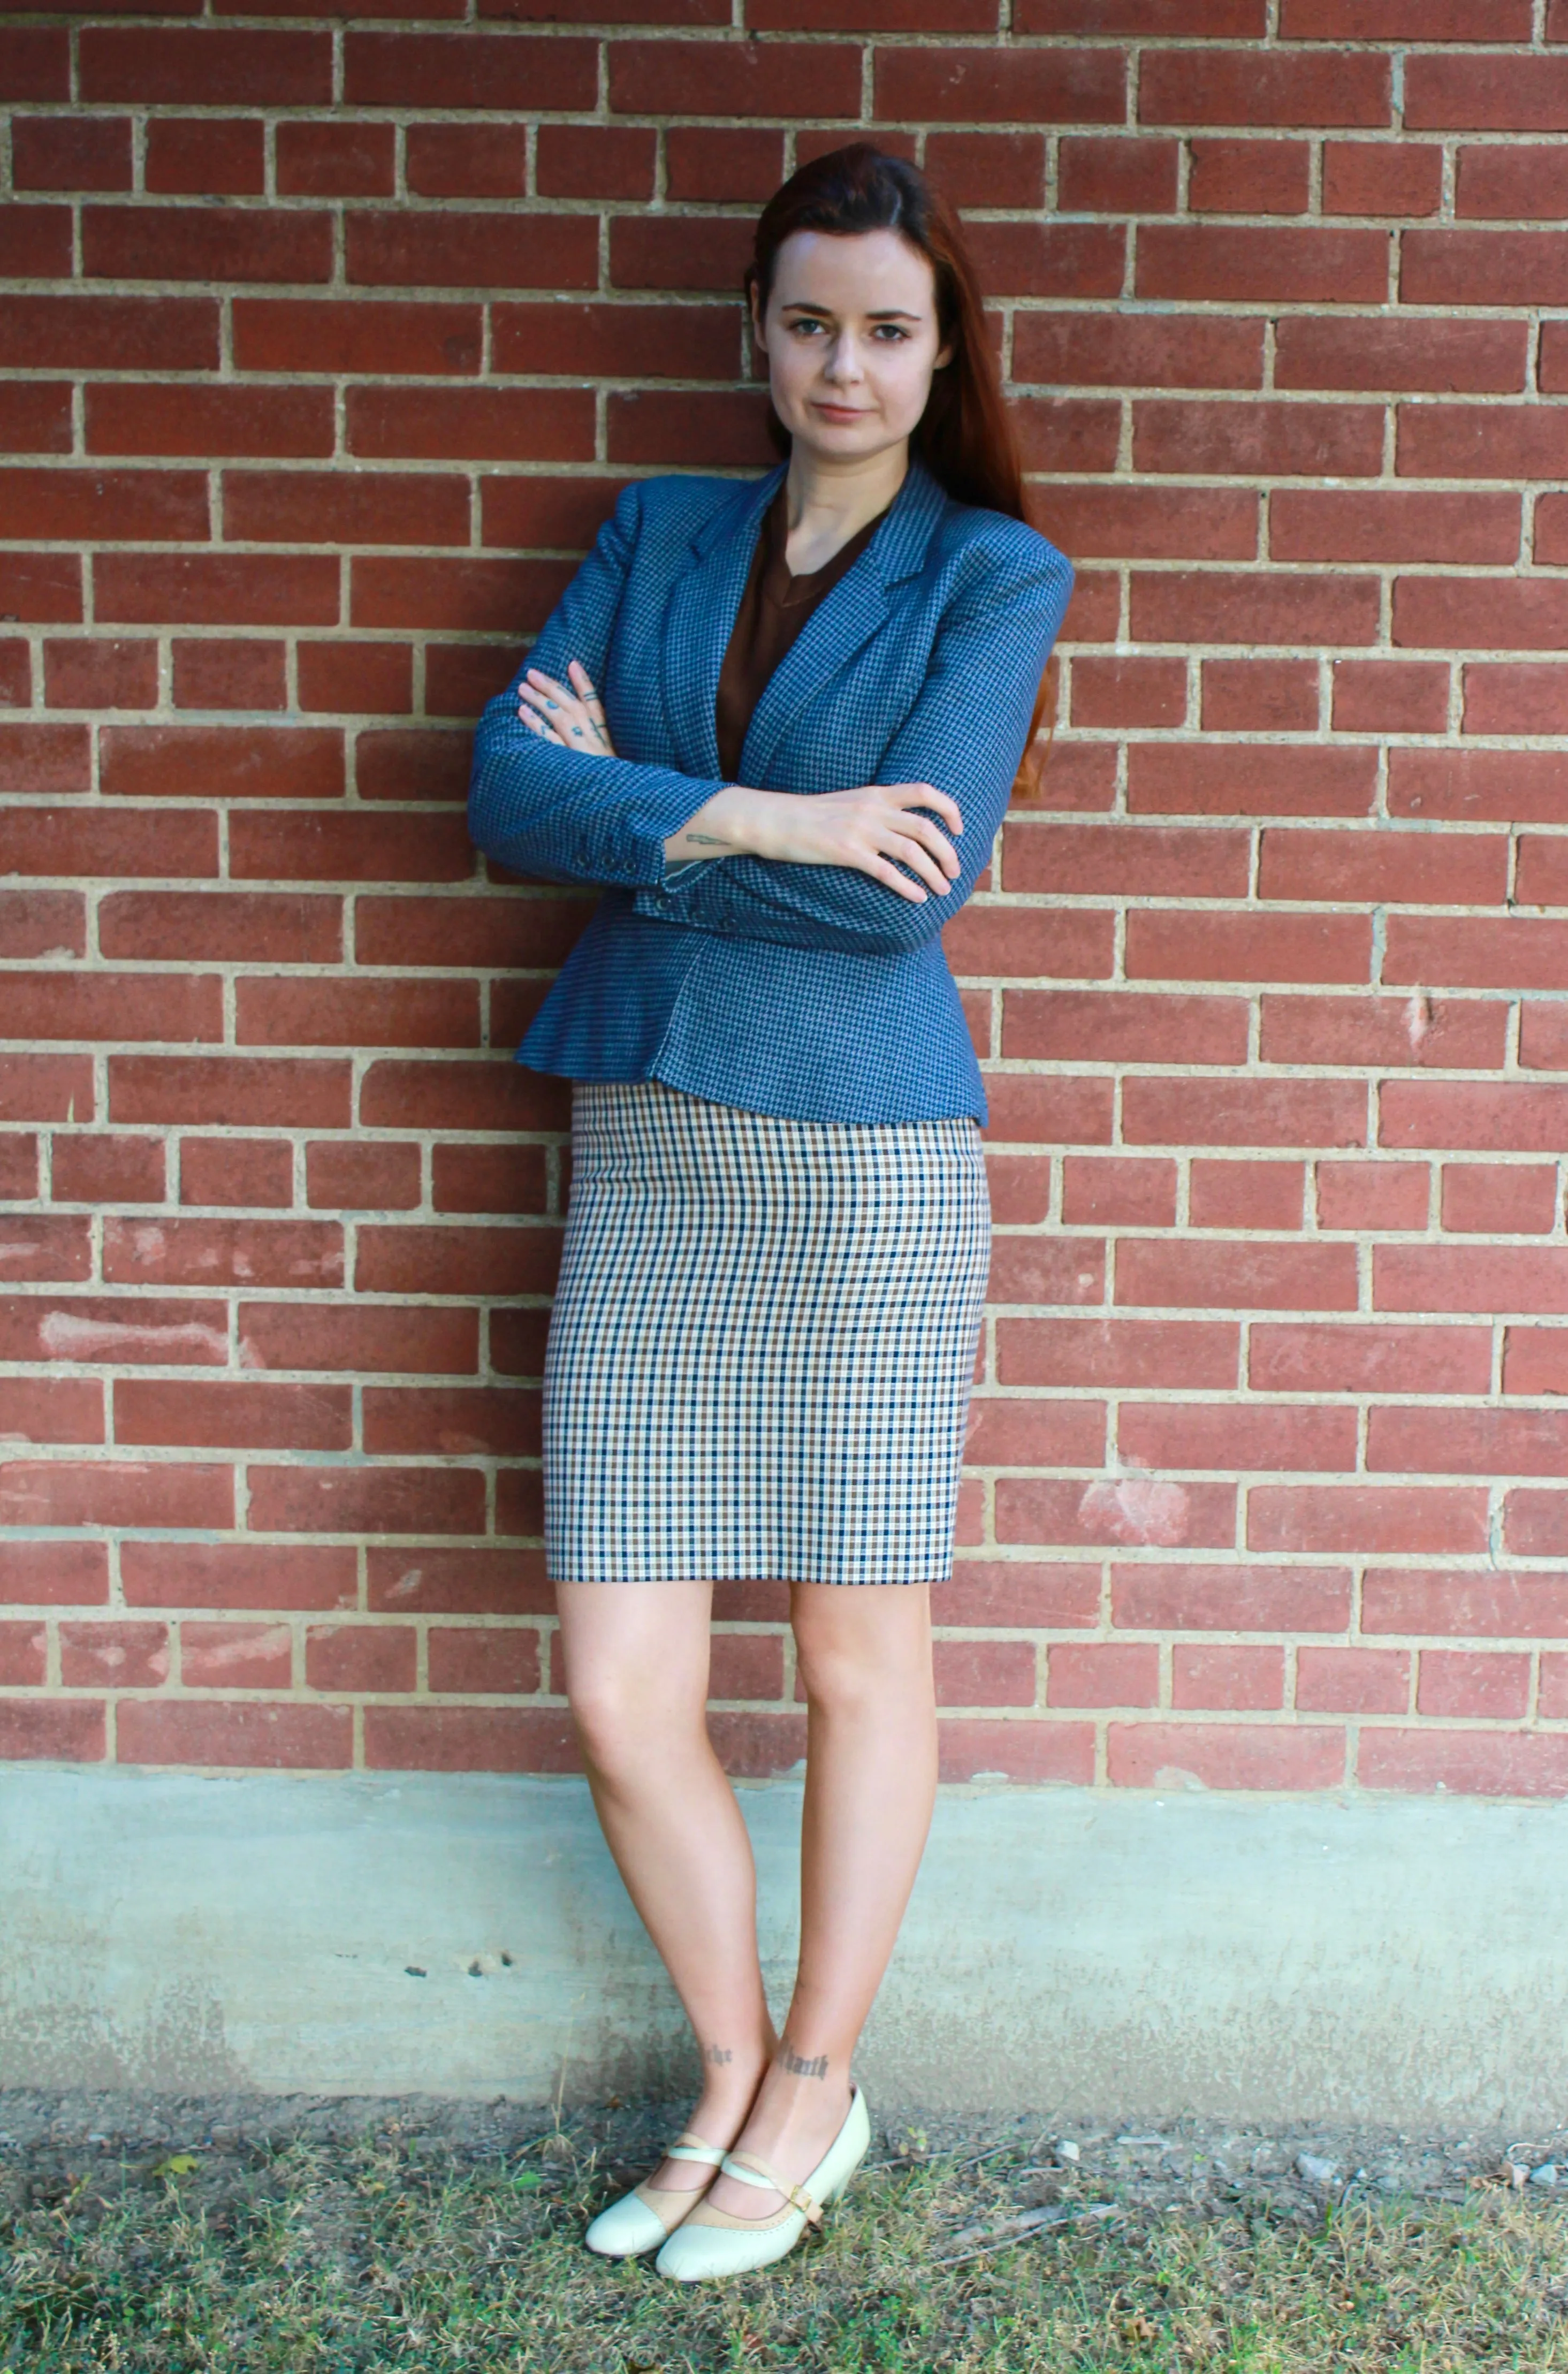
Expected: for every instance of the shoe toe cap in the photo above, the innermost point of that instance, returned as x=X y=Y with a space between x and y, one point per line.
x=625 y=2229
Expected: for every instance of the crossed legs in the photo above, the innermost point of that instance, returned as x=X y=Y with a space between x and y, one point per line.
x=637 y=1679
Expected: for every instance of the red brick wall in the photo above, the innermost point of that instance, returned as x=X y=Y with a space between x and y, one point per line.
x=326 y=347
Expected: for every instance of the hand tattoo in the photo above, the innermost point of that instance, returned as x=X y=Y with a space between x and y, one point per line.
x=704 y=840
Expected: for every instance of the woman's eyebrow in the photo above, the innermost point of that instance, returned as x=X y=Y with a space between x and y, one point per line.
x=882 y=313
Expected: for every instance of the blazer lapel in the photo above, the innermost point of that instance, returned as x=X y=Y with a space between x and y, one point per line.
x=843 y=620
x=699 y=619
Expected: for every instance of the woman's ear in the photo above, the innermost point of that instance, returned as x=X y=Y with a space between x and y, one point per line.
x=758 y=336
x=945 y=358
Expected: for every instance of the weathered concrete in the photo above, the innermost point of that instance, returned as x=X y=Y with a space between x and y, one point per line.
x=1381 y=1958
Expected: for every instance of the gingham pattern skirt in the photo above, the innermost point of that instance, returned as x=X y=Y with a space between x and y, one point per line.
x=762 y=1343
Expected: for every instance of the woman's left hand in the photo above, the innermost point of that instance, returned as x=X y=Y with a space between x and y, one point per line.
x=571 y=714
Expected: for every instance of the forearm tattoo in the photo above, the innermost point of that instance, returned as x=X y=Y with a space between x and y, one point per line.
x=789 y=2059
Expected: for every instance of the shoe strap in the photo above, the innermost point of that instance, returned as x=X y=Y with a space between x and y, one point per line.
x=740 y=2165
x=690 y=2146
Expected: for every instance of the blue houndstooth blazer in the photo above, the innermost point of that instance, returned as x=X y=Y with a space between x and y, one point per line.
x=809 y=991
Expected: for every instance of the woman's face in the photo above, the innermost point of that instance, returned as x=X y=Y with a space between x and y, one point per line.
x=852 y=340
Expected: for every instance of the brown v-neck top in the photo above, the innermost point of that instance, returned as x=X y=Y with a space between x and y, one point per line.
x=774 y=608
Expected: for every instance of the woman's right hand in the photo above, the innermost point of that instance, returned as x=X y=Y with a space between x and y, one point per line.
x=872 y=828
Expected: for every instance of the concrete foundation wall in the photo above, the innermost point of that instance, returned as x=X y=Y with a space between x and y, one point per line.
x=1382 y=1958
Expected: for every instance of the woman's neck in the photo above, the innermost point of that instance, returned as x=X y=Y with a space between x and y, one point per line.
x=825 y=504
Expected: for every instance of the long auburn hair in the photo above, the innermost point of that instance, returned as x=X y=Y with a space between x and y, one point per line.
x=965 y=435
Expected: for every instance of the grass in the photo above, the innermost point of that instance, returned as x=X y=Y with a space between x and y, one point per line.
x=379 y=2257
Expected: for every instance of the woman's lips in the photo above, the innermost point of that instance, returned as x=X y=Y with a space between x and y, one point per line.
x=843 y=411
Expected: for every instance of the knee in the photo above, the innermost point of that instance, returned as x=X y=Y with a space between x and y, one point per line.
x=853 y=1676
x=625 y=1730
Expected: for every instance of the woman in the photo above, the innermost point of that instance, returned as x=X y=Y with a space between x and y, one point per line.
x=780 y=721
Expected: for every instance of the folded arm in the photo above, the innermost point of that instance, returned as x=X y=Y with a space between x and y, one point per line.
x=965 y=733
x=560 y=814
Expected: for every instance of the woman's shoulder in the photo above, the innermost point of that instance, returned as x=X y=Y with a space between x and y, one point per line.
x=682 y=500
x=977 y=542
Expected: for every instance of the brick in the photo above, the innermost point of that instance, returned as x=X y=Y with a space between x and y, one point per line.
x=1202 y=87
x=1141 y=350
x=1239 y=1111
x=355 y=677
x=1030 y=259
x=215 y=589
x=1189 y=1598
x=1352 y=1681
x=361 y=335
x=244 y=1091
x=1128 y=691
x=1247 y=1194
x=650 y=426
x=114 y=1006
x=1536 y=1524
x=302 y=847
x=1226 y=1677
x=1203 y=778
x=1512 y=182
x=1356 y=1517
x=1385 y=1031
x=165 y=1495
x=1123 y=861
x=71 y=152
x=221 y=762
x=1475 y=1764
x=334 y=160
x=615 y=161
x=1515 y=700
x=490 y=1661
x=1037 y=1269
x=1396 y=177
x=1208 y=263
x=489 y=1179
x=445 y=249
x=1034 y=1433
x=41 y=585
x=1234 y=1275
x=22 y=1659
x=1249 y=177
x=468 y=69
x=469 y=160
x=435 y=1580
x=977 y=86
x=1122 y=1025
x=52 y=1409
x=46 y=1248
x=453 y=1419
x=1413 y=20
x=264 y=1735
x=1259 y=696
x=1468 y=1442
x=361 y=1657
x=1103 y=1674
x=1390 y=697
x=1543 y=1039
x=1136 y=1510
x=482 y=1739
x=369 y=1499
x=154 y=417
x=486 y=932
x=1224 y=1756
x=46 y=1088
x=42 y=923
x=235 y=673
x=672 y=252
x=1488 y=1199
x=100 y=674
x=1513 y=786
x=1483 y=267
x=1117 y=1352
x=308 y=1012
x=67 y=1730
x=1124 y=1191
x=128 y=1332
x=18 y=1168
x=104 y=505
x=455 y=596
x=345 y=1337
x=472 y=424
x=1486 y=1279
x=1456 y=1682
x=1199 y=19
x=1367 y=526
x=237 y=1171
x=1172 y=946
x=1365 y=1358
x=1220 y=607
x=1472 y=441
x=1383 y=868
x=456 y=1260
x=237 y=1574
x=1021 y=1591
x=1146 y=523
x=645 y=341
x=1513 y=1116
x=1023 y=1749
x=236 y=1656
x=1229 y=1438
x=35 y=242
x=206 y=155
x=1535 y=1360
x=222 y=1253
x=87 y=333
x=113 y=1656
x=1020 y=1187
x=1494 y=93
x=488 y=1093
x=366 y=1177
x=224 y=926
x=253 y=243
x=35 y=418
x=44 y=759
x=1439 y=1602
x=188 y=66
x=1440 y=358
x=1553 y=1697
x=981 y=168
x=1553 y=358
x=53 y=1574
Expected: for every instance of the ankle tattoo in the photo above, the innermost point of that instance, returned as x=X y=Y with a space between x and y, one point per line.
x=789 y=2059
x=718 y=2053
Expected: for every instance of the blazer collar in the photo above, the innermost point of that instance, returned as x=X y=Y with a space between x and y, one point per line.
x=703 y=609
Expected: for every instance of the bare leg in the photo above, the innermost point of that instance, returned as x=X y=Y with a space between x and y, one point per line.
x=871 y=1780
x=637 y=1678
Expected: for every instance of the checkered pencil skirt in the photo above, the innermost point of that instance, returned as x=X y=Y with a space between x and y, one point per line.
x=762 y=1343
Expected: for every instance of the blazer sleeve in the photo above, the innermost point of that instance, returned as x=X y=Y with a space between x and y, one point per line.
x=562 y=815
x=965 y=733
